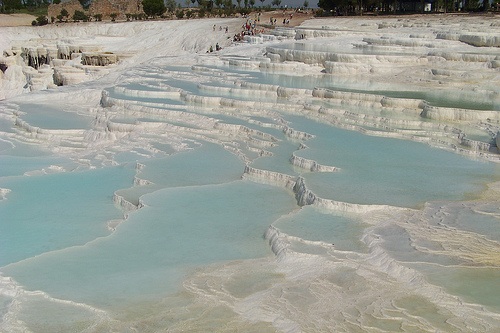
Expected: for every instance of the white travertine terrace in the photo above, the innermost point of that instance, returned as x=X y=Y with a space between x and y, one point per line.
x=372 y=68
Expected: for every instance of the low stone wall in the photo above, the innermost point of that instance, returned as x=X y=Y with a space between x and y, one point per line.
x=98 y=58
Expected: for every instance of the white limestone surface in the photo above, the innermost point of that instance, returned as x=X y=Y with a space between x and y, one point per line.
x=300 y=116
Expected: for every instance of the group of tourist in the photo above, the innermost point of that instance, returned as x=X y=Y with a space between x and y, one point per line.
x=226 y=28
x=217 y=48
x=286 y=21
x=249 y=28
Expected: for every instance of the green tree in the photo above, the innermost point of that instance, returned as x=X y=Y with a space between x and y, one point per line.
x=306 y=4
x=64 y=14
x=56 y=2
x=113 y=16
x=207 y=5
x=276 y=3
x=228 y=7
x=85 y=3
x=341 y=5
x=42 y=20
x=171 y=5
x=11 y=5
x=78 y=15
x=179 y=14
x=153 y=8
x=486 y=5
x=30 y=4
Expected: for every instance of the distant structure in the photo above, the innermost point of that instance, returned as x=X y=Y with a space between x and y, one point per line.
x=103 y=7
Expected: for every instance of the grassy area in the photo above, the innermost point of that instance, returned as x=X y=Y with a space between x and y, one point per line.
x=38 y=11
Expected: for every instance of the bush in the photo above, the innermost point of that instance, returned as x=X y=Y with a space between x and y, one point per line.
x=319 y=12
x=64 y=15
x=244 y=11
x=42 y=20
x=179 y=14
x=170 y=5
x=80 y=16
x=85 y=3
x=228 y=11
x=153 y=8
